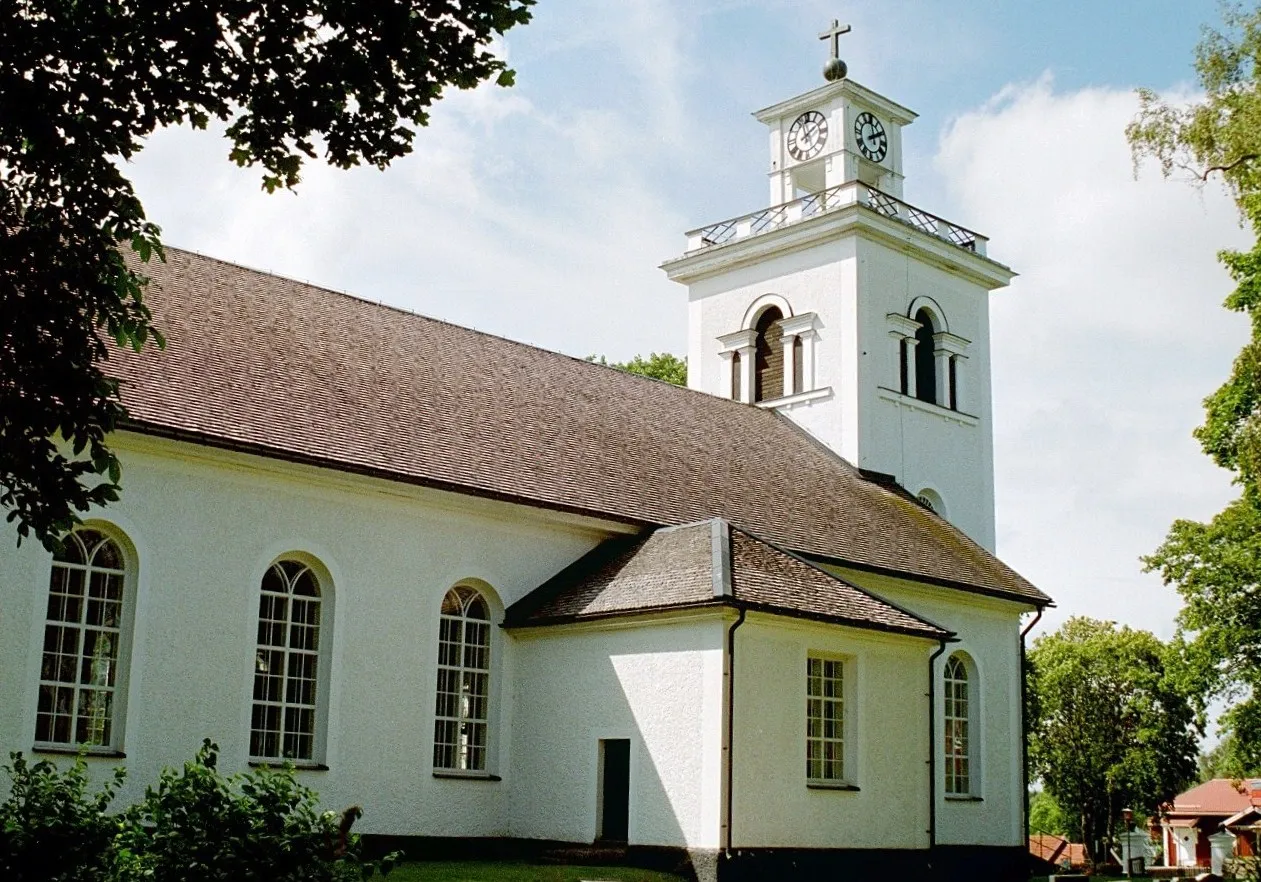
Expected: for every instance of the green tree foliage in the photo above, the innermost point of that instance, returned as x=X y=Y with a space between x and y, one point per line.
x=1226 y=759
x=1216 y=566
x=51 y=828
x=196 y=825
x=1046 y=816
x=82 y=85
x=1116 y=724
x=658 y=365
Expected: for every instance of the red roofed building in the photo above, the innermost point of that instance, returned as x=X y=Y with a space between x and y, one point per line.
x=1205 y=810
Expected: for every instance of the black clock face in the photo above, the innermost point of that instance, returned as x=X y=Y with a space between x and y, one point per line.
x=807 y=135
x=873 y=142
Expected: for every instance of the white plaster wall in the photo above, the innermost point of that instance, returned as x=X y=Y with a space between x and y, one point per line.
x=989 y=632
x=821 y=279
x=921 y=445
x=887 y=715
x=206 y=526
x=660 y=685
x=852 y=283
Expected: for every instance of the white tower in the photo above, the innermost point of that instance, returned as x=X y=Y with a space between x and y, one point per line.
x=860 y=317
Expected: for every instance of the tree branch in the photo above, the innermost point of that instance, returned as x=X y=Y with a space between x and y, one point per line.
x=1247 y=157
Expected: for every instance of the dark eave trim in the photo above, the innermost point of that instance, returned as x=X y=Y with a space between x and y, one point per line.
x=265 y=451
x=338 y=465
x=817 y=559
x=772 y=609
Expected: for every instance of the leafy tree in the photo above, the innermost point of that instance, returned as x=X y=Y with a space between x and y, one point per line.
x=82 y=85
x=1226 y=760
x=1046 y=816
x=658 y=365
x=1116 y=724
x=1216 y=566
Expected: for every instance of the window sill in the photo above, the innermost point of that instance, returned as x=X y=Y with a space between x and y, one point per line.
x=465 y=776
x=300 y=765
x=832 y=785
x=954 y=797
x=73 y=750
x=958 y=416
x=795 y=398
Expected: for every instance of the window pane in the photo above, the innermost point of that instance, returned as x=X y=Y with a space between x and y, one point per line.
x=462 y=691
x=80 y=662
x=286 y=664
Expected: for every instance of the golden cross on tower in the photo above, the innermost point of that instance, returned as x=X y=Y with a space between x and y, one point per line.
x=835 y=68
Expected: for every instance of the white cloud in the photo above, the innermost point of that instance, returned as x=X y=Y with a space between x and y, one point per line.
x=1103 y=347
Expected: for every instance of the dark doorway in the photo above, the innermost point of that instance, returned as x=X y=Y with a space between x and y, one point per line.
x=614 y=803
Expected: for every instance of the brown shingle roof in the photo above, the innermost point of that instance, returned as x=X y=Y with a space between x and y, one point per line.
x=705 y=564
x=287 y=369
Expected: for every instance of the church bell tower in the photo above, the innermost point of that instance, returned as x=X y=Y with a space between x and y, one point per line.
x=859 y=316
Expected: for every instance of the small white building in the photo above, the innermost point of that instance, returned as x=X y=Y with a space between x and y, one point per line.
x=503 y=598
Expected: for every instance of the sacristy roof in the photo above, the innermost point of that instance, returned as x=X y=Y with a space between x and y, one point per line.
x=277 y=367
x=706 y=564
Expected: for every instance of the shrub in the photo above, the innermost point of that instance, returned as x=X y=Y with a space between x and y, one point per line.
x=200 y=826
x=195 y=825
x=51 y=828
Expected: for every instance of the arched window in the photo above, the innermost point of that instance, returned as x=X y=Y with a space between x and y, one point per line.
x=925 y=358
x=932 y=499
x=463 y=701
x=735 y=376
x=799 y=365
x=768 y=374
x=287 y=664
x=956 y=721
x=84 y=663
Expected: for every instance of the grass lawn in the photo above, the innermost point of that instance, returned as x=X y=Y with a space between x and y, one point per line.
x=478 y=871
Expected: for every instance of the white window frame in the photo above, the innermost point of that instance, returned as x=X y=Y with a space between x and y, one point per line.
x=958 y=739
x=75 y=628
x=841 y=739
x=316 y=659
x=463 y=709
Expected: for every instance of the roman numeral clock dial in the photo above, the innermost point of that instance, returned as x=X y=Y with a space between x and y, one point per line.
x=869 y=132
x=807 y=135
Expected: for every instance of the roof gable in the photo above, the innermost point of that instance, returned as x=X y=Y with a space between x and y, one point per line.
x=277 y=367
x=709 y=563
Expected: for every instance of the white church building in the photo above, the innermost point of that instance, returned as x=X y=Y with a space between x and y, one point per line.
x=509 y=600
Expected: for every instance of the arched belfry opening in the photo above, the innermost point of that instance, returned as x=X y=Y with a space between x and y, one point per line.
x=768 y=370
x=925 y=359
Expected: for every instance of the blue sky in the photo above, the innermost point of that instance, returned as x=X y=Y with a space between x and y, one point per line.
x=542 y=213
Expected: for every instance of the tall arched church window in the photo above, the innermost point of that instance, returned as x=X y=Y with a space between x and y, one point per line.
x=284 y=722
x=768 y=373
x=956 y=721
x=925 y=358
x=84 y=662
x=463 y=696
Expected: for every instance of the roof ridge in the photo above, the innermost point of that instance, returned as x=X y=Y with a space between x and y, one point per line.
x=919 y=618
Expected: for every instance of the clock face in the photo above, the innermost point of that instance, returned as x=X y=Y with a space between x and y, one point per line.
x=873 y=142
x=807 y=135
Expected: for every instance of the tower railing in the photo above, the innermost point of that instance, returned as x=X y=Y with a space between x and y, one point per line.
x=831 y=199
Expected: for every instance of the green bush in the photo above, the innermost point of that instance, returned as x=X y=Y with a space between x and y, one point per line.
x=195 y=825
x=51 y=829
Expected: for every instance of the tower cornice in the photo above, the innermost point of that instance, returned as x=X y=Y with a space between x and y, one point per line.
x=854 y=219
x=841 y=88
